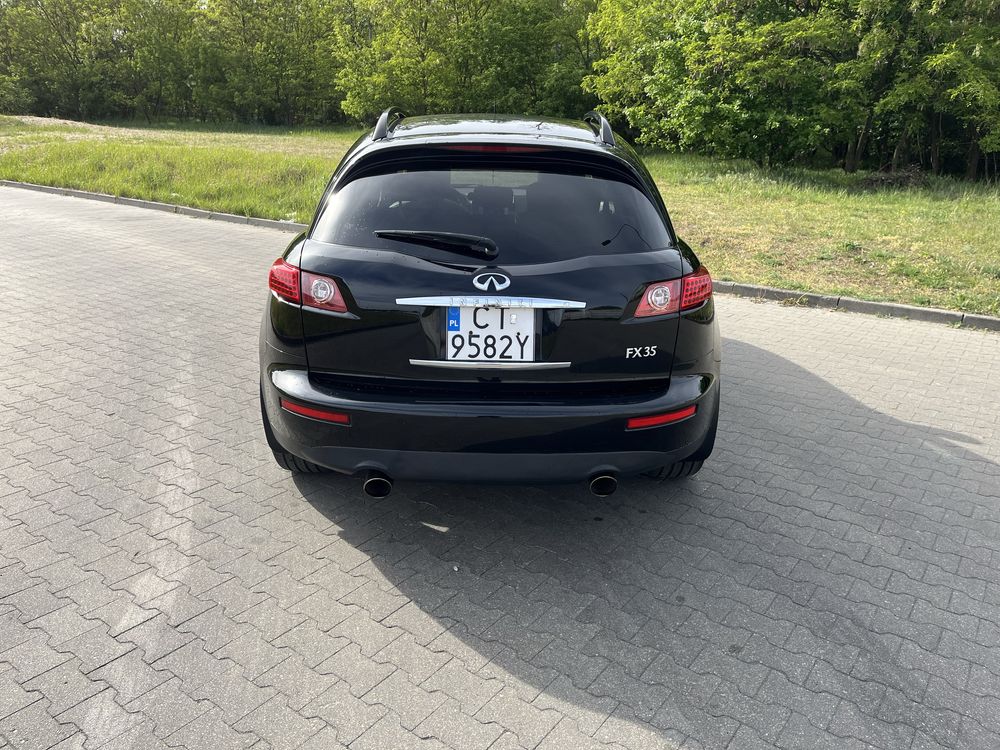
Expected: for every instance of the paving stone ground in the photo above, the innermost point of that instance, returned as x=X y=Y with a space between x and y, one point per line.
x=830 y=580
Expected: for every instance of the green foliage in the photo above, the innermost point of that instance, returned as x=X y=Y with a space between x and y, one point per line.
x=818 y=80
x=856 y=83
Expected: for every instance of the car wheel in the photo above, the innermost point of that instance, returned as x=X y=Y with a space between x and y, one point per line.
x=678 y=470
x=285 y=459
x=692 y=464
x=295 y=464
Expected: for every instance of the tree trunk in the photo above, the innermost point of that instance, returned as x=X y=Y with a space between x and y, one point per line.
x=972 y=156
x=900 y=152
x=935 y=144
x=851 y=160
x=863 y=138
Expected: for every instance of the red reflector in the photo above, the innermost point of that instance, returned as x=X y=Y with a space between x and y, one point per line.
x=284 y=280
x=311 y=411
x=494 y=148
x=638 y=423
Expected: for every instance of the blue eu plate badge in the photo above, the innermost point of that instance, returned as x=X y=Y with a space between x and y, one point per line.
x=454 y=319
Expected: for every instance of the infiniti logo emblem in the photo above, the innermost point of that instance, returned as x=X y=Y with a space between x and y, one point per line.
x=487 y=279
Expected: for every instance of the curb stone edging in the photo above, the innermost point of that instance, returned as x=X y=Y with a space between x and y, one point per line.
x=200 y=213
x=850 y=304
x=787 y=296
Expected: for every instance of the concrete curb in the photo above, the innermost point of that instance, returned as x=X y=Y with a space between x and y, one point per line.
x=785 y=296
x=850 y=304
x=171 y=208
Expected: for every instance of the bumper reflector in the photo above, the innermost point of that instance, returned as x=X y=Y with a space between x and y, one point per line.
x=655 y=420
x=314 y=413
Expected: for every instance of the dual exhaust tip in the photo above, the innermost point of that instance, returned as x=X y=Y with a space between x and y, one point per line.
x=378 y=485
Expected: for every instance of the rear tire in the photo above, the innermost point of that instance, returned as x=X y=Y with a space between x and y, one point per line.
x=295 y=464
x=679 y=470
x=284 y=459
x=693 y=463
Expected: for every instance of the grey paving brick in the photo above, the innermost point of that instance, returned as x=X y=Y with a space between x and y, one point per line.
x=357 y=670
x=471 y=690
x=848 y=721
x=33 y=656
x=63 y=624
x=299 y=684
x=311 y=643
x=417 y=661
x=345 y=712
x=455 y=728
x=411 y=703
x=14 y=697
x=388 y=732
x=101 y=717
x=130 y=676
x=210 y=732
x=528 y=722
x=215 y=628
x=624 y=729
x=33 y=728
x=281 y=727
x=155 y=638
x=587 y=711
x=169 y=707
x=64 y=686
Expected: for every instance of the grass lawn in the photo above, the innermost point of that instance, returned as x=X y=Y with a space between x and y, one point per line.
x=812 y=230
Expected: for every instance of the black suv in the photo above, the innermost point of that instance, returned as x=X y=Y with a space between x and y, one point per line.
x=487 y=298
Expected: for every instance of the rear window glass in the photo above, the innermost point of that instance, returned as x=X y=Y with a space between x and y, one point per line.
x=532 y=216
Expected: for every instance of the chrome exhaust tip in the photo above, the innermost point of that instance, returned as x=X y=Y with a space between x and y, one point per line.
x=377 y=484
x=603 y=485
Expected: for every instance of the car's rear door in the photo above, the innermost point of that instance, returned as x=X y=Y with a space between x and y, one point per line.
x=577 y=245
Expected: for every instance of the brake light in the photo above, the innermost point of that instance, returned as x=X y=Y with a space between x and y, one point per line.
x=493 y=148
x=283 y=280
x=311 y=411
x=697 y=288
x=663 y=297
x=322 y=292
x=640 y=423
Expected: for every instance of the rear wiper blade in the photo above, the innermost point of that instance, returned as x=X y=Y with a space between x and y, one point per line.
x=471 y=244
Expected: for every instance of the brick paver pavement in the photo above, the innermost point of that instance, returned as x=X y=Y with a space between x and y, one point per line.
x=830 y=580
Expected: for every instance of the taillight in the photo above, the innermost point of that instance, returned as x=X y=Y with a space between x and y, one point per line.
x=697 y=288
x=663 y=297
x=322 y=292
x=301 y=287
x=284 y=281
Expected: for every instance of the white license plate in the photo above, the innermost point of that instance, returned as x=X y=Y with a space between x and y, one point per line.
x=490 y=334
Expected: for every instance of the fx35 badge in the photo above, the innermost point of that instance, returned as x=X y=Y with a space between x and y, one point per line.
x=641 y=351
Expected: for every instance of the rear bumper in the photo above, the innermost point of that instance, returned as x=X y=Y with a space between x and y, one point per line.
x=488 y=442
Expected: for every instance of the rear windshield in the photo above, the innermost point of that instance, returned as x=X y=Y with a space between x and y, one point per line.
x=532 y=216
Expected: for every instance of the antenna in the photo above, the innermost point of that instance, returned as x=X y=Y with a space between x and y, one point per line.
x=602 y=128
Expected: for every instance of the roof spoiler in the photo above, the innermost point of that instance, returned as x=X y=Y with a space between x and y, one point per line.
x=386 y=122
x=602 y=128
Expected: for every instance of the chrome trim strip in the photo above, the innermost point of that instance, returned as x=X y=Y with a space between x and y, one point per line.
x=462 y=364
x=535 y=303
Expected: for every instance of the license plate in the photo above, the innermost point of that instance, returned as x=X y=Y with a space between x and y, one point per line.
x=490 y=334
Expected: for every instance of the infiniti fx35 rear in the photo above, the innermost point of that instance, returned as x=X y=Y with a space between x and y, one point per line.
x=490 y=299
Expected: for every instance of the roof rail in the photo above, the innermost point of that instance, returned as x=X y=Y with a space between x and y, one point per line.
x=602 y=128
x=386 y=121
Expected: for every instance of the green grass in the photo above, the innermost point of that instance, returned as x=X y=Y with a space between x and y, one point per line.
x=810 y=230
